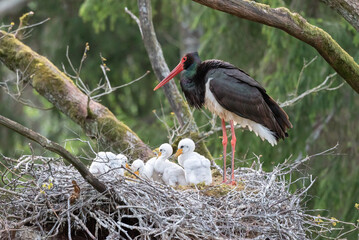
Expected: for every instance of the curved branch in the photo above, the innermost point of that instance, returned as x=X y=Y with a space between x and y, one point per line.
x=56 y=148
x=298 y=27
x=96 y=120
x=348 y=9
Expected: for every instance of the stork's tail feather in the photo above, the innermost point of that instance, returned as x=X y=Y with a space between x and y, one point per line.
x=282 y=123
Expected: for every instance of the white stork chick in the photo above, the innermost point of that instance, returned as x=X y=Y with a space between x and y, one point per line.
x=156 y=176
x=145 y=169
x=108 y=162
x=172 y=174
x=197 y=168
x=142 y=169
x=119 y=164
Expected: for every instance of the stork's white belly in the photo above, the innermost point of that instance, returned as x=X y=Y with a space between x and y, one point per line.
x=212 y=105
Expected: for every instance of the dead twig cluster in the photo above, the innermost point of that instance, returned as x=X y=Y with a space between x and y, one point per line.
x=44 y=196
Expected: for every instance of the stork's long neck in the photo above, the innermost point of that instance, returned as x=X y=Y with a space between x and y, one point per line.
x=192 y=86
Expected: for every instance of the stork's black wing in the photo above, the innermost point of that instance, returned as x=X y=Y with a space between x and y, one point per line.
x=239 y=93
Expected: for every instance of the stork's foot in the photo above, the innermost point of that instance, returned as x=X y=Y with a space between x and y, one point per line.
x=232 y=183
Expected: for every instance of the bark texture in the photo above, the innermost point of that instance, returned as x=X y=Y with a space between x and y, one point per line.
x=159 y=66
x=99 y=122
x=348 y=9
x=298 y=27
x=11 y=6
x=155 y=54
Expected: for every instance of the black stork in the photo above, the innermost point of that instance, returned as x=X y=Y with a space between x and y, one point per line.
x=234 y=96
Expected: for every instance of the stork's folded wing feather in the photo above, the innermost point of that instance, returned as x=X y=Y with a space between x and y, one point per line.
x=241 y=95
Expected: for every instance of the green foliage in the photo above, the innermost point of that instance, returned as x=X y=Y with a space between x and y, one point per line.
x=102 y=13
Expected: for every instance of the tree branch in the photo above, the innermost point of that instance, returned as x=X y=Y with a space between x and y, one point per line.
x=11 y=6
x=348 y=9
x=298 y=27
x=160 y=68
x=60 y=90
x=56 y=148
x=155 y=54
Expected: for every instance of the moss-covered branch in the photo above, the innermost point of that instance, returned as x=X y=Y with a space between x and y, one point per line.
x=298 y=27
x=60 y=90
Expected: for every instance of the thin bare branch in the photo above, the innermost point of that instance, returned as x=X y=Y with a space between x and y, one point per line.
x=30 y=26
x=323 y=86
x=134 y=17
x=305 y=65
x=15 y=89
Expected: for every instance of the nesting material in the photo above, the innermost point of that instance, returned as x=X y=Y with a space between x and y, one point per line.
x=35 y=198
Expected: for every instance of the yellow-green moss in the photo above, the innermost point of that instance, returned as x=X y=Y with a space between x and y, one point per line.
x=121 y=137
x=216 y=189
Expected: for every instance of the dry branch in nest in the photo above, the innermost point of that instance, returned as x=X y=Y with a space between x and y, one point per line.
x=37 y=191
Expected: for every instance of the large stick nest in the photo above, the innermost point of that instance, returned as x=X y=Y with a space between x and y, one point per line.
x=39 y=199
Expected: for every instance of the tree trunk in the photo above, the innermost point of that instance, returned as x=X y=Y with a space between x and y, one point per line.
x=298 y=27
x=97 y=121
x=11 y=6
x=155 y=54
x=159 y=66
x=189 y=37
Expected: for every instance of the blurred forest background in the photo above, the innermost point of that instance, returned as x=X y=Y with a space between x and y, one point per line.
x=269 y=55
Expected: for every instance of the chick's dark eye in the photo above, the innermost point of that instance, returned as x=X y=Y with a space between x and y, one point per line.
x=181 y=146
x=184 y=59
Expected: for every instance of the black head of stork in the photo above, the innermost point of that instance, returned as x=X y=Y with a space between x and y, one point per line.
x=234 y=96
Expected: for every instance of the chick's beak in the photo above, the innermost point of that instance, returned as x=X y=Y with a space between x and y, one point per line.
x=127 y=166
x=156 y=151
x=137 y=173
x=179 y=152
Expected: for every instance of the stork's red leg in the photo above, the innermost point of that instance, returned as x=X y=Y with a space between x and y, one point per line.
x=224 y=142
x=233 y=143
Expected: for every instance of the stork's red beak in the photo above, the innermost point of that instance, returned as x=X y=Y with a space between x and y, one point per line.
x=173 y=73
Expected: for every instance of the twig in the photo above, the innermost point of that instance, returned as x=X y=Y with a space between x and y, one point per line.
x=305 y=65
x=260 y=207
x=320 y=87
x=106 y=87
x=83 y=226
x=12 y=192
x=31 y=26
x=134 y=17
x=68 y=220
